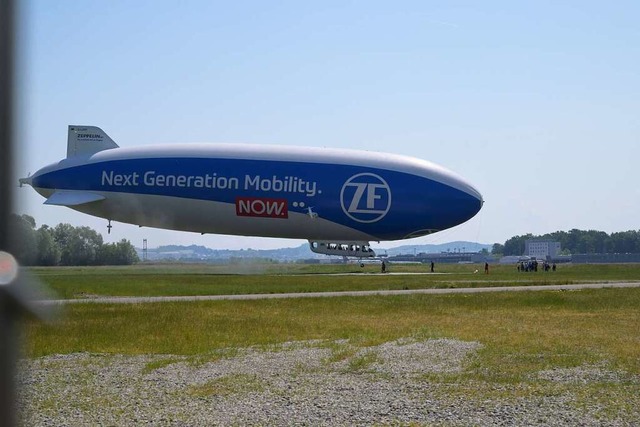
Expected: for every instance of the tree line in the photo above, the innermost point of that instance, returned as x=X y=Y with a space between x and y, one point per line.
x=577 y=242
x=65 y=244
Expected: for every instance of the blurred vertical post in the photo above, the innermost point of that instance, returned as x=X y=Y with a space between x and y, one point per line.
x=17 y=288
x=8 y=308
x=6 y=115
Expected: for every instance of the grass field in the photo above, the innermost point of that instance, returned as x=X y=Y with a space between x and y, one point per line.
x=164 y=280
x=521 y=334
x=538 y=328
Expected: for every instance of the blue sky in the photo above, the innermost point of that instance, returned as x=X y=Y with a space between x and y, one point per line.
x=536 y=103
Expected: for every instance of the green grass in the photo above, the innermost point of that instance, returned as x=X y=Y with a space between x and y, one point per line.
x=163 y=280
x=362 y=362
x=160 y=363
x=521 y=333
x=235 y=384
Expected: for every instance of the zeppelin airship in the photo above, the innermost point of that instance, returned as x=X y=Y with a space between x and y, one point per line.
x=339 y=200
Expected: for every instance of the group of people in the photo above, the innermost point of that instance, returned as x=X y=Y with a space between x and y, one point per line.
x=532 y=265
x=523 y=266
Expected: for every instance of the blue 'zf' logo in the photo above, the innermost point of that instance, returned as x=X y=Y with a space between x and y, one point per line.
x=365 y=197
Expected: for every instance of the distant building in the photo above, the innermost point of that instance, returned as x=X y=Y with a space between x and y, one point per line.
x=605 y=258
x=541 y=249
x=512 y=259
x=445 y=258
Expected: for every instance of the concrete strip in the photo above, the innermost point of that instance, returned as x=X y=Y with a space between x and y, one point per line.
x=141 y=300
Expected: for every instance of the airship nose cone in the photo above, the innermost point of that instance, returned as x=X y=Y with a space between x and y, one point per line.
x=475 y=193
x=467 y=203
x=476 y=200
x=465 y=186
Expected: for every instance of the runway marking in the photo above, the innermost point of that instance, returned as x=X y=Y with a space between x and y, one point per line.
x=372 y=273
x=142 y=300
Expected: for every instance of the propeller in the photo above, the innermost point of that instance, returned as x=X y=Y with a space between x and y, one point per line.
x=26 y=180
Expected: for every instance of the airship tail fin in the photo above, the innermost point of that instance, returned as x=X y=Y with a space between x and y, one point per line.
x=87 y=140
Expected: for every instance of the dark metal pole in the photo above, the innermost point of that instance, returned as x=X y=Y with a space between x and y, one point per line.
x=17 y=288
x=8 y=311
x=6 y=115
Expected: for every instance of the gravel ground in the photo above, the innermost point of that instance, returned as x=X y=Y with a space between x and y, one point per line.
x=303 y=383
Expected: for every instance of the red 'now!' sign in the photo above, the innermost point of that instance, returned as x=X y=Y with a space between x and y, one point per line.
x=262 y=207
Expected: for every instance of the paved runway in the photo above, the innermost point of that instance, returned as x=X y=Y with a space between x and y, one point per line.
x=140 y=300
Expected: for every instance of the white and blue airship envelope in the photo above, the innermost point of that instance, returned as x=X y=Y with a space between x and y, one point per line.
x=323 y=195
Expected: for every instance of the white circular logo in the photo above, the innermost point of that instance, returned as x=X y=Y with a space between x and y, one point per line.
x=365 y=197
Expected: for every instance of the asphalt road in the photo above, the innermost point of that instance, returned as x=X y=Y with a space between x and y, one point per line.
x=140 y=300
